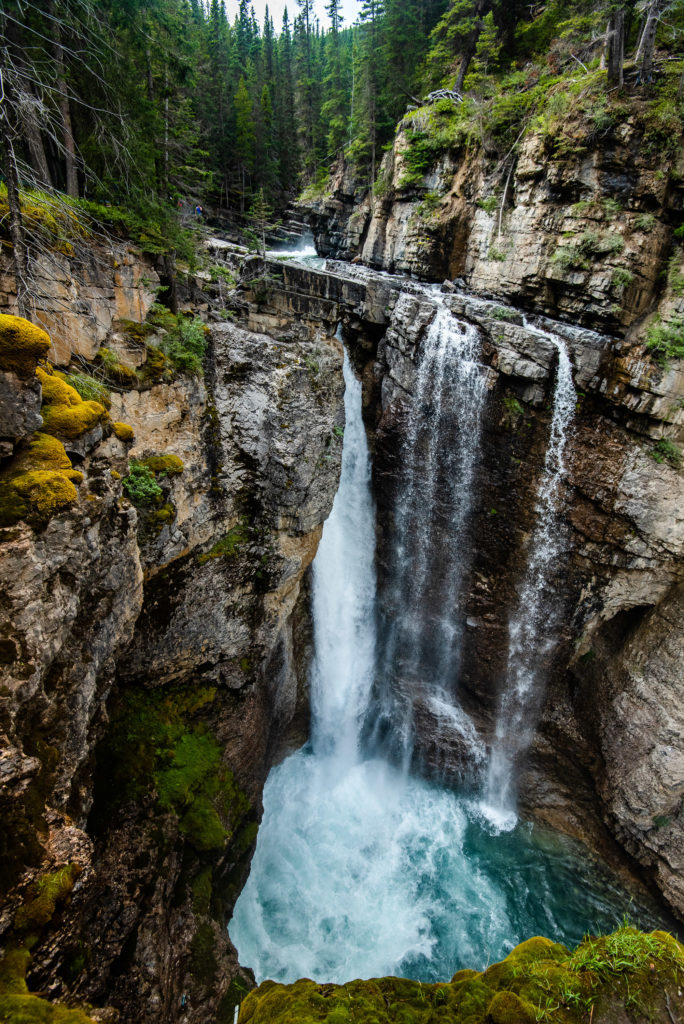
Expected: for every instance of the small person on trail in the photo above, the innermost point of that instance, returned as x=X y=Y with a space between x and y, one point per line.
x=198 y=212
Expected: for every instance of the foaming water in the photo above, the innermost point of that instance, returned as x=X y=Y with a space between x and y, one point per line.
x=301 y=251
x=368 y=872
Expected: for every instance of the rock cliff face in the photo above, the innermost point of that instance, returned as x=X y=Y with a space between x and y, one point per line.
x=155 y=659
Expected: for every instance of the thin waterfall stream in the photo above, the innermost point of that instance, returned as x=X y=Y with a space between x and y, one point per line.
x=532 y=626
x=363 y=869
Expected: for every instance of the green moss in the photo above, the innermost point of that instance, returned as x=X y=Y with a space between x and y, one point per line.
x=46 y=895
x=29 y=1009
x=116 y=371
x=159 y=743
x=201 y=892
x=64 y=412
x=13 y=968
x=227 y=547
x=35 y=496
x=22 y=345
x=507 y=1008
x=203 y=965
x=539 y=981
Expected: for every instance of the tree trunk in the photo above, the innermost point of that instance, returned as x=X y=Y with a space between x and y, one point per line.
x=64 y=110
x=644 y=55
x=471 y=46
x=16 y=229
x=616 y=48
x=32 y=134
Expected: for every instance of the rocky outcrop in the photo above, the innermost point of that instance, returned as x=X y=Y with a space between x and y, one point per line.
x=78 y=298
x=581 y=233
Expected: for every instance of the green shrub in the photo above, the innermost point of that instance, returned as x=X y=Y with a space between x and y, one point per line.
x=622 y=278
x=90 y=389
x=667 y=450
x=141 y=486
x=666 y=340
x=489 y=204
x=645 y=222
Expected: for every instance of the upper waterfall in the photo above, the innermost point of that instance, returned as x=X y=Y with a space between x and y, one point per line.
x=430 y=555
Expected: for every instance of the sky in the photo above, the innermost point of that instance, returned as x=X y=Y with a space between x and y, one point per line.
x=350 y=10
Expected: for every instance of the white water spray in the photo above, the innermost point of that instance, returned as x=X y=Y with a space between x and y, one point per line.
x=422 y=636
x=531 y=628
x=344 y=597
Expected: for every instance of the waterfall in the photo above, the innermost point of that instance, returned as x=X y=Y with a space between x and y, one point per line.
x=362 y=869
x=531 y=627
x=430 y=552
x=344 y=596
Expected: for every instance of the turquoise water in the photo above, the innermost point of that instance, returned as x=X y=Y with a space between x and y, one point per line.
x=362 y=872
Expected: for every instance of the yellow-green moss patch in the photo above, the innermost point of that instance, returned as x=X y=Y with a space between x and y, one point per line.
x=19 y=1006
x=123 y=431
x=64 y=412
x=38 y=483
x=22 y=344
x=163 y=465
x=46 y=895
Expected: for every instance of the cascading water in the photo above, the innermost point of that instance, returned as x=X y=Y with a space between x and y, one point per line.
x=421 y=649
x=531 y=628
x=361 y=869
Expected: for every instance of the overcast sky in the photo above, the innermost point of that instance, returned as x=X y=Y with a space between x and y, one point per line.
x=350 y=10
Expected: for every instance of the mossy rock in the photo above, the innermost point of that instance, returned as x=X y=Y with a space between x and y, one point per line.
x=123 y=431
x=625 y=976
x=13 y=967
x=47 y=894
x=507 y=1008
x=29 y=1009
x=65 y=414
x=163 y=465
x=22 y=345
x=38 y=483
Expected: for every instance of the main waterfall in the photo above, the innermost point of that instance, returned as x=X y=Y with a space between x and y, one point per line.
x=362 y=869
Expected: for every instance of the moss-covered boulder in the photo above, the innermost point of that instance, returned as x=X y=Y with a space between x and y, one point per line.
x=22 y=345
x=625 y=977
x=38 y=483
x=65 y=414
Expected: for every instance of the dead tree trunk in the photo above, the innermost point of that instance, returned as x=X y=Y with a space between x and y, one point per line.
x=68 y=142
x=616 y=48
x=644 y=56
x=16 y=229
x=31 y=126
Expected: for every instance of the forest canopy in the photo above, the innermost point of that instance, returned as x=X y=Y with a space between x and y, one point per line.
x=161 y=105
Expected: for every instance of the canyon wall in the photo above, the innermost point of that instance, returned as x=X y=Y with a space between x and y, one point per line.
x=155 y=650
